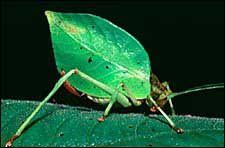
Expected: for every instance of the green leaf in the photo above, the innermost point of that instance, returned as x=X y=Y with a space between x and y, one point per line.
x=60 y=125
x=100 y=49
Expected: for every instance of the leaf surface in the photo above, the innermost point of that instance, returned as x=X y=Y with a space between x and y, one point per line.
x=60 y=125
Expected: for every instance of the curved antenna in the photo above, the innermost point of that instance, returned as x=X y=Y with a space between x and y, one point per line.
x=194 y=89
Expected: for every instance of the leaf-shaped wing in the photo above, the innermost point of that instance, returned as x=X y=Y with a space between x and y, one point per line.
x=100 y=49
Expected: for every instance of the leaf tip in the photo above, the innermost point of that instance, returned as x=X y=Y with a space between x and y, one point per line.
x=47 y=13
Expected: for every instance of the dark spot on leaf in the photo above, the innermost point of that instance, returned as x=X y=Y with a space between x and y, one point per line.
x=150 y=145
x=124 y=72
x=81 y=47
x=90 y=118
x=153 y=129
x=90 y=59
x=107 y=67
x=138 y=62
x=61 y=134
x=122 y=84
x=130 y=126
x=93 y=26
x=59 y=22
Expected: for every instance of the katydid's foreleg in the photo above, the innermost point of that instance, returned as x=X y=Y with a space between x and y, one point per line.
x=171 y=123
x=69 y=87
x=27 y=121
x=171 y=107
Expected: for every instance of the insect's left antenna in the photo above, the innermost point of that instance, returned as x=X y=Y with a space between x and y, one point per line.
x=195 y=89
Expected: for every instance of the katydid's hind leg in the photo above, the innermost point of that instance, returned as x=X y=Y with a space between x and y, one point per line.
x=171 y=123
x=9 y=143
x=23 y=126
x=69 y=87
x=166 y=84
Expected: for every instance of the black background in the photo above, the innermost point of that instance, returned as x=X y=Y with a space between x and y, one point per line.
x=185 y=42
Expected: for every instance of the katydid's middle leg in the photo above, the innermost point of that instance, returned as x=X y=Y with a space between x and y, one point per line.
x=108 y=108
x=131 y=96
x=114 y=97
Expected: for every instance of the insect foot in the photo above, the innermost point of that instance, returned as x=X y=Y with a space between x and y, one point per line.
x=9 y=143
x=153 y=109
x=101 y=118
x=178 y=130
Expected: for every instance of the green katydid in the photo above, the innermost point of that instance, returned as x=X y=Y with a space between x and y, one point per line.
x=107 y=64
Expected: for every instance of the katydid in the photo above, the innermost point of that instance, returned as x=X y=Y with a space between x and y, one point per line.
x=102 y=61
